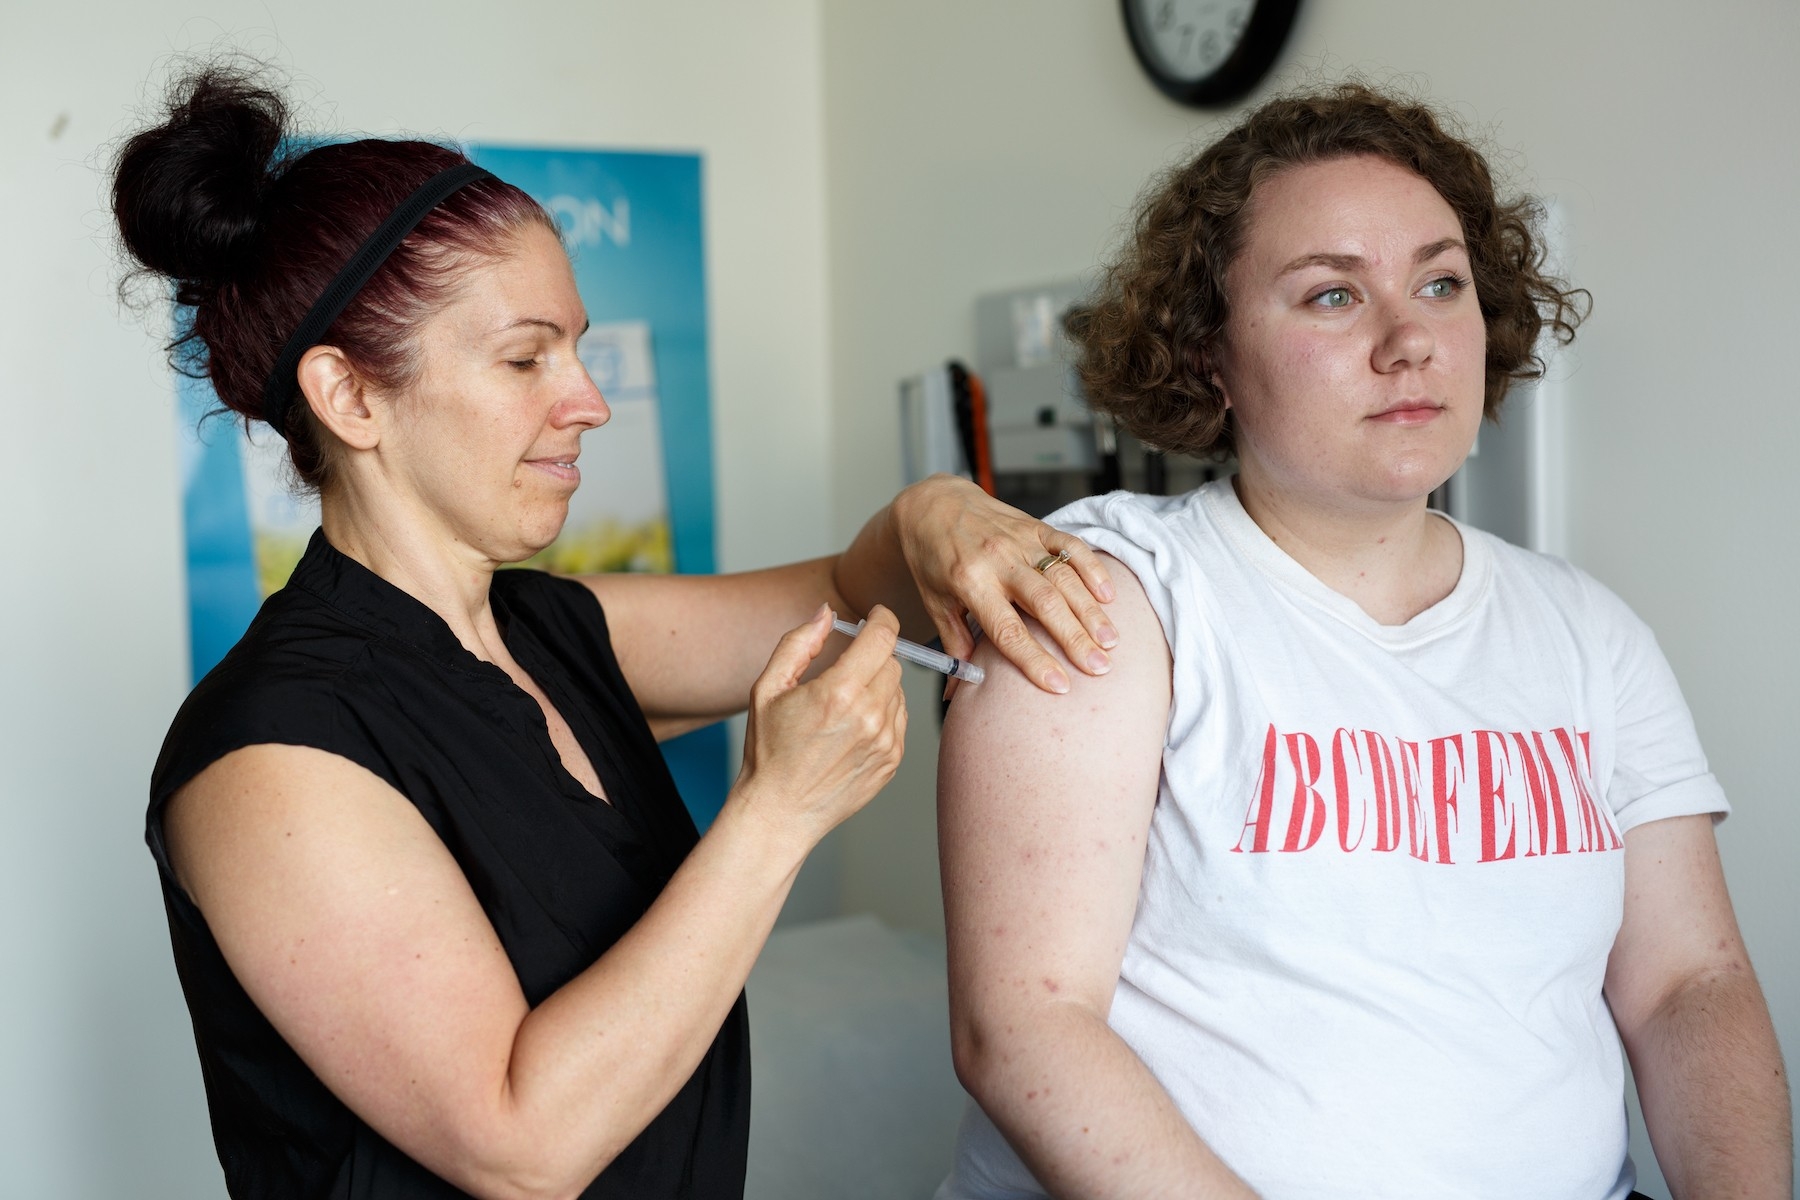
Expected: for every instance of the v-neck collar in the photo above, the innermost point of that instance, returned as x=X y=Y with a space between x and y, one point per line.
x=391 y=612
x=378 y=605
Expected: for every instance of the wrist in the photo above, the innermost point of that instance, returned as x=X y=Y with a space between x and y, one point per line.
x=919 y=507
x=902 y=512
x=754 y=820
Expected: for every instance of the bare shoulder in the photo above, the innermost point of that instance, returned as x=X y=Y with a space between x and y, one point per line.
x=1022 y=770
x=266 y=804
x=1046 y=795
x=1136 y=684
x=350 y=926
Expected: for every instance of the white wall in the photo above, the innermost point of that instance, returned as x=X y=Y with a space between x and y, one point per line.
x=958 y=146
x=99 y=1090
x=974 y=147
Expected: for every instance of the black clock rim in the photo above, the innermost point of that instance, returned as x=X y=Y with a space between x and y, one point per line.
x=1270 y=23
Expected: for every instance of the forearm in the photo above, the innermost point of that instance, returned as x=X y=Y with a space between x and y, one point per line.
x=1083 y=1111
x=690 y=646
x=873 y=570
x=1713 y=1089
x=595 y=1063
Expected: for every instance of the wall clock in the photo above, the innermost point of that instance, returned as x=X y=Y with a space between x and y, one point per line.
x=1207 y=52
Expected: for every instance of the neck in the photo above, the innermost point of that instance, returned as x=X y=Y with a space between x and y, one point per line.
x=1394 y=560
x=405 y=549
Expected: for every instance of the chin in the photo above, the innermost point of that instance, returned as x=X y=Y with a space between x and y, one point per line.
x=1415 y=478
x=526 y=544
x=534 y=546
x=546 y=529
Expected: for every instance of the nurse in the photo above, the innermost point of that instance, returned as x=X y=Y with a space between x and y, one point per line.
x=442 y=922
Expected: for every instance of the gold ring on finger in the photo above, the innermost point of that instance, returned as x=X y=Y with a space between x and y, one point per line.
x=1044 y=564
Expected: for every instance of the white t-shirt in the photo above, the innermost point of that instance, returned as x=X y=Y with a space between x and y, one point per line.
x=1385 y=867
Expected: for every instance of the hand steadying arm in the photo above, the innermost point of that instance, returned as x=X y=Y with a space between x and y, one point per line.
x=945 y=548
x=690 y=645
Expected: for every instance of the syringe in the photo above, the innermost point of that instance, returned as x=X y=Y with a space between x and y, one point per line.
x=925 y=656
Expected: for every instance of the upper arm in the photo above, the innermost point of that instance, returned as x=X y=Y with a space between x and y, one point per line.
x=354 y=932
x=1678 y=924
x=1044 y=806
x=690 y=646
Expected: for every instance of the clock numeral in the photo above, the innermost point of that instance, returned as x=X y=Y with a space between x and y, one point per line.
x=1165 y=13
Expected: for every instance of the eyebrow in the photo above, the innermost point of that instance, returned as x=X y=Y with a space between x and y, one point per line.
x=1350 y=262
x=538 y=323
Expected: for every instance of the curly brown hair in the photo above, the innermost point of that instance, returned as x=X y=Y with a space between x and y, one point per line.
x=1145 y=339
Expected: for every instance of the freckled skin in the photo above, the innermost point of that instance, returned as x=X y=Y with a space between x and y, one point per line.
x=1043 y=812
x=464 y=471
x=1304 y=377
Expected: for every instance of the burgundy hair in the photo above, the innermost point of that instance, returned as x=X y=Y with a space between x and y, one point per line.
x=251 y=236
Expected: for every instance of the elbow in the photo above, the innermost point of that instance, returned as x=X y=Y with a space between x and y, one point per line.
x=1715 y=992
x=521 y=1180
x=965 y=1054
x=982 y=1043
x=509 y=1165
x=999 y=1045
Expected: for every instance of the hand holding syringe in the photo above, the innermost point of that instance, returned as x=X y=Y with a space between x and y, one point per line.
x=925 y=656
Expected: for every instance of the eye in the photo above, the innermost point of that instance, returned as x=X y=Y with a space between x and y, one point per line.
x=522 y=364
x=1444 y=287
x=1336 y=297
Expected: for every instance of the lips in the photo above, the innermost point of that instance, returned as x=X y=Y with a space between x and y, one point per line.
x=561 y=467
x=1409 y=412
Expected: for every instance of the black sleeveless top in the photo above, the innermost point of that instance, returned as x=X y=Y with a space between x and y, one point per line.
x=343 y=661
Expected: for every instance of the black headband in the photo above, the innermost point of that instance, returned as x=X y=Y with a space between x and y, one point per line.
x=279 y=389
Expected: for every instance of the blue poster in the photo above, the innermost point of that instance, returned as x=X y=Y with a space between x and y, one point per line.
x=632 y=224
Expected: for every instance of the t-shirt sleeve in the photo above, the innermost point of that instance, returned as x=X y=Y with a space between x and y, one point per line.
x=1129 y=527
x=1659 y=770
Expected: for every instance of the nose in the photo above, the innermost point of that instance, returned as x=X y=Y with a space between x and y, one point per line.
x=1404 y=340
x=583 y=405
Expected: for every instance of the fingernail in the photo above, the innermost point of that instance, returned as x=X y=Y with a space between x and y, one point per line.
x=1098 y=663
x=1106 y=593
x=1109 y=637
x=1059 y=683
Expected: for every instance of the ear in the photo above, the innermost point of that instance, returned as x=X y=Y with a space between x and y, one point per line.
x=1209 y=362
x=336 y=396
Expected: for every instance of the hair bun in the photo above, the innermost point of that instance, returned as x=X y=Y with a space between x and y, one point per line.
x=187 y=194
